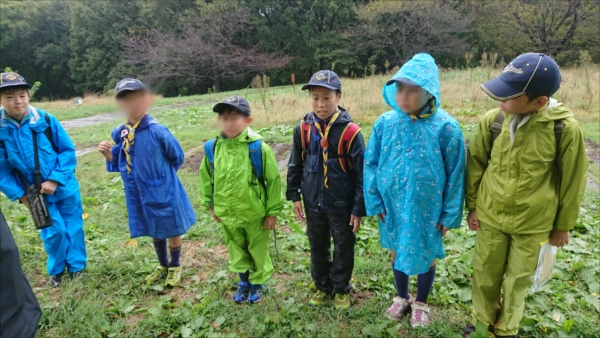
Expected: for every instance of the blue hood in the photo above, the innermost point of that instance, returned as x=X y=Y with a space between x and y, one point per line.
x=422 y=70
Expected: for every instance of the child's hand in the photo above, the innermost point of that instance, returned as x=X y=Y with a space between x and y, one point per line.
x=48 y=187
x=440 y=226
x=270 y=222
x=299 y=211
x=354 y=223
x=382 y=217
x=559 y=238
x=473 y=220
x=212 y=213
x=105 y=149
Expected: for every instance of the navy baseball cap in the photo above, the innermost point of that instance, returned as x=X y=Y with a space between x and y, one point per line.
x=13 y=80
x=402 y=80
x=234 y=101
x=533 y=73
x=324 y=78
x=130 y=85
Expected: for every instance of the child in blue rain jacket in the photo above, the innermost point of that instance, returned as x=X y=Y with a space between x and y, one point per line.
x=414 y=180
x=148 y=156
x=64 y=239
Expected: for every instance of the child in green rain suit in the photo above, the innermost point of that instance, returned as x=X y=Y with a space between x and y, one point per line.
x=526 y=175
x=241 y=186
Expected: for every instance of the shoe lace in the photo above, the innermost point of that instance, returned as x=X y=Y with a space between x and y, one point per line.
x=343 y=298
x=420 y=313
x=171 y=274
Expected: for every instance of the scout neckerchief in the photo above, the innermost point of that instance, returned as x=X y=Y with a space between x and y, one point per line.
x=9 y=119
x=428 y=111
x=128 y=134
x=325 y=143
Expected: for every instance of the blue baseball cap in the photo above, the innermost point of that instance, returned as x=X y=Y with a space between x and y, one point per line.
x=531 y=73
x=402 y=80
x=324 y=78
x=130 y=85
x=13 y=80
x=233 y=101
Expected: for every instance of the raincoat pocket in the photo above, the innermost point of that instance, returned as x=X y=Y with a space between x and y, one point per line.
x=155 y=192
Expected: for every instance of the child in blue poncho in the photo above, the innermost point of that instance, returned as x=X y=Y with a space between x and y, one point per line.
x=147 y=155
x=414 y=181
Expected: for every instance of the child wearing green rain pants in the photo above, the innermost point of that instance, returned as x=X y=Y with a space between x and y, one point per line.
x=414 y=181
x=526 y=175
x=241 y=186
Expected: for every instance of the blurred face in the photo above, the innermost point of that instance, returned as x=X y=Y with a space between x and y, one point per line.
x=411 y=99
x=135 y=104
x=324 y=101
x=233 y=123
x=15 y=101
x=522 y=106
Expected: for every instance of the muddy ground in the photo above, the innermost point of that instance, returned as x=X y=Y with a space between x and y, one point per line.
x=282 y=154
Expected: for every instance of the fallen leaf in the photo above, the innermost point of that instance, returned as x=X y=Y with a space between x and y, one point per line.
x=85 y=215
x=132 y=243
x=556 y=317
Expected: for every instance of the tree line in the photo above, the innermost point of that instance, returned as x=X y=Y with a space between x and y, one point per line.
x=189 y=47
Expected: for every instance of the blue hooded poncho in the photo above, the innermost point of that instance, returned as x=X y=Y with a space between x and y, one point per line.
x=414 y=172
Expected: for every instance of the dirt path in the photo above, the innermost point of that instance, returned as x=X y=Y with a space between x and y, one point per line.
x=90 y=120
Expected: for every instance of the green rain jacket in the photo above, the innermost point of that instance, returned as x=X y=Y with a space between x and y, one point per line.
x=528 y=187
x=239 y=198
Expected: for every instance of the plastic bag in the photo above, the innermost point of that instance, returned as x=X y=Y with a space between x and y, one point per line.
x=545 y=265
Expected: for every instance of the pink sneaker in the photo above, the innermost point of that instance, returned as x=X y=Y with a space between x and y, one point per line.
x=399 y=308
x=420 y=315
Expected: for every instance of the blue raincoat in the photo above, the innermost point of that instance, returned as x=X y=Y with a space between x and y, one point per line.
x=64 y=240
x=414 y=172
x=157 y=203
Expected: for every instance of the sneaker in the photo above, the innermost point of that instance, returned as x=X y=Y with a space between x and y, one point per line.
x=241 y=295
x=256 y=293
x=157 y=275
x=342 y=301
x=318 y=299
x=55 y=280
x=173 y=276
x=75 y=275
x=398 y=308
x=420 y=315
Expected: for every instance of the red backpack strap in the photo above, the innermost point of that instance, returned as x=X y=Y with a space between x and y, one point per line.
x=304 y=137
x=348 y=135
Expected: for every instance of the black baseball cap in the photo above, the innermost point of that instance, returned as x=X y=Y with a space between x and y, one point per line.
x=531 y=73
x=130 y=85
x=324 y=78
x=403 y=80
x=13 y=80
x=233 y=101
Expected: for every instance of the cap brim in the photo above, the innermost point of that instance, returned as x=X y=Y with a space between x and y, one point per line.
x=305 y=87
x=123 y=91
x=403 y=80
x=25 y=85
x=220 y=107
x=499 y=90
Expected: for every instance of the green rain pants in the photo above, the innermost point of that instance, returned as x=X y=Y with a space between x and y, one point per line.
x=503 y=262
x=248 y=248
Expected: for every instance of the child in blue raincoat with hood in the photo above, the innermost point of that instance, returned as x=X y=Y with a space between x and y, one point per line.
x=148 y=156
x=19 y=124
x=414 y=181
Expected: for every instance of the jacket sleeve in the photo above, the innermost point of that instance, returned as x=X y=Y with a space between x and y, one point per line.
x=373 y=201
x=9 y=182
x=453 y=152
x=272 y=180
x=478 y=156
x=67 y=160
x=573 y=165
x=113 y=166
x=357 y=157
x=205 y=183
x=171 y=148
x=295 y=168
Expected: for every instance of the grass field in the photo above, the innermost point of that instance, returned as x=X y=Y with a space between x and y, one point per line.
x=111 y=301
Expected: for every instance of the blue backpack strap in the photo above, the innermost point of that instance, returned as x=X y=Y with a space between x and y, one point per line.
x=255 y=149
x=209 y=152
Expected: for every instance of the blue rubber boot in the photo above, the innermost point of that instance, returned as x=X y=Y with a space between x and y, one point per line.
x=241 y=295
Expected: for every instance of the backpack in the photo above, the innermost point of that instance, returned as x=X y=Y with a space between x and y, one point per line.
x=255 y=152
x=496 y=129
x=47 y=133
x=343 y=147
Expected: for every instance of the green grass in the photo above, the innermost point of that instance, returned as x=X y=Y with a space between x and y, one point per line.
x=111 y=300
